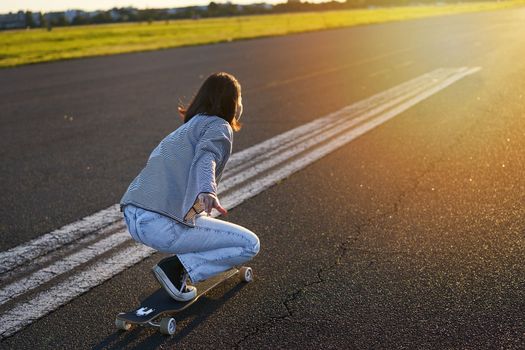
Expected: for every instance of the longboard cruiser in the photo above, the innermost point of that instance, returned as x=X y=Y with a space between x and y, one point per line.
x=157 y=310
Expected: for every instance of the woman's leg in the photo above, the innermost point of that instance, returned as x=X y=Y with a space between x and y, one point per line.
x=152 y=229
x=211 y=247
x=130 y=217
x=214 y=246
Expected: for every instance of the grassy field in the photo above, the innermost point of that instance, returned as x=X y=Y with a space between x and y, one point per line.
x=38 y=45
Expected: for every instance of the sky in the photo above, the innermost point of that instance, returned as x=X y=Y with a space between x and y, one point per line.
x=61 y=5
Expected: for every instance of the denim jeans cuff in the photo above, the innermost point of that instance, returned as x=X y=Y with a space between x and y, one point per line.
x=188 y=269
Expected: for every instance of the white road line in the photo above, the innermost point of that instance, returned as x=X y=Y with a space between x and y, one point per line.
x=270 y=144
x=53 y=240
x=251 y=189
x=332 y=121
x=281 y=154
x=70 y=262
x=57 y=254
x=22 y=314
x=25 y=313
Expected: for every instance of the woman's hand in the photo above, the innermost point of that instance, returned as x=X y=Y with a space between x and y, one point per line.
x=210 y=201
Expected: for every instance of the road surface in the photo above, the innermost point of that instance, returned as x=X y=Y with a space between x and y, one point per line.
x=402 y=229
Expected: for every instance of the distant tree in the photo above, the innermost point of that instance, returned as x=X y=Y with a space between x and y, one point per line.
x=29 y=19
x=213 y=9
x=61 y=20
x=42 y=20
x=101 y=17
x=229 y=9
x=81 y=19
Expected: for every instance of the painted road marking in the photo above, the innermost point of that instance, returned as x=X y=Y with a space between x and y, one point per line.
x=311 y=138
x=59 y=267
x=308 y=128
x=24 y=253
x=357 y=119
x=27 y=312
x=259 y=185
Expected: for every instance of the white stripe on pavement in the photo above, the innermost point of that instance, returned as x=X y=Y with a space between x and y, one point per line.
x=70 y=262
x=53 y=240
x=25 y=313
x=240 y=157
x=251 y=189
x=60 y=253
x=282 y=153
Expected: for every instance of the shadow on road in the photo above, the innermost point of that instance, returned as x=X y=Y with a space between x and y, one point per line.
x=149 y=338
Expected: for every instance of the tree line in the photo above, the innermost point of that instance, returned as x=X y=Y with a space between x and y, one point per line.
x=213 y=9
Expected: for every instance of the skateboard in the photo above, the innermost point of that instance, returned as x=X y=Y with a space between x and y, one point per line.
x=157 y=310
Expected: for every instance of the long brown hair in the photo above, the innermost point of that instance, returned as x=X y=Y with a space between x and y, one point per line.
x=218 y=95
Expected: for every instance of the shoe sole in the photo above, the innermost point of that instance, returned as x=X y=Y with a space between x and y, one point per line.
x=170 y=288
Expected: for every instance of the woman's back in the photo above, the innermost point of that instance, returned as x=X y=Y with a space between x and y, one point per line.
x=178 y=169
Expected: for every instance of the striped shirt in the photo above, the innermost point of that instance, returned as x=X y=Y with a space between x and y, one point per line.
x=188 y=161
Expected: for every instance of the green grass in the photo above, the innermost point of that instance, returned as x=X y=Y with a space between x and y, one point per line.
x=38 y=45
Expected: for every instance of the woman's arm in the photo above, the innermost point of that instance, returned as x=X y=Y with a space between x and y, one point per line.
x=211 y=150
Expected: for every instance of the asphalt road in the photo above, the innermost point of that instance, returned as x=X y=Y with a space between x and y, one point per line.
x=411 y=236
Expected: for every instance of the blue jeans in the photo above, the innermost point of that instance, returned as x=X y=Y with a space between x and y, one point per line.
x=209 y=248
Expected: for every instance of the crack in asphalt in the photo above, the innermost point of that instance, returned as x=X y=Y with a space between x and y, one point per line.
x=345 y=245
x=290 y=297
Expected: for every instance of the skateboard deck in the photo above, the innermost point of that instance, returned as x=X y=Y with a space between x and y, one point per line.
x=153 y=310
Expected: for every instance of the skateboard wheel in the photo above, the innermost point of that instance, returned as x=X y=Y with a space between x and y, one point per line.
x=246 y=274
x=168 y=326
x=123 y=325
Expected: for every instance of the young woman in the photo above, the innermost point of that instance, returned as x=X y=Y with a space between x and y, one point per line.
x=167 y=206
